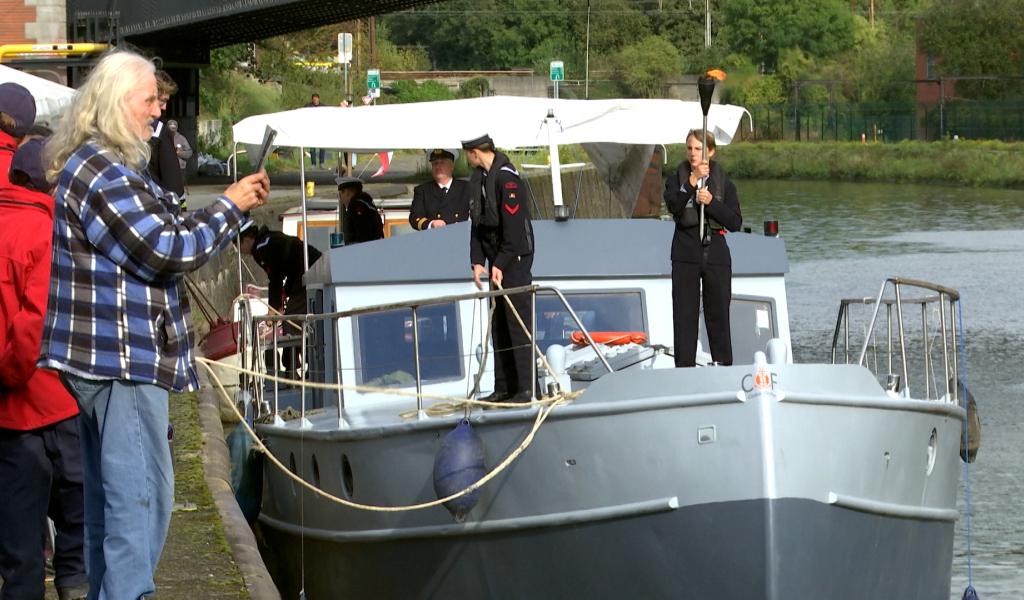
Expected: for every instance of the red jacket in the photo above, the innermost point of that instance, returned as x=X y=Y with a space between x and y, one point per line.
x=29 y=397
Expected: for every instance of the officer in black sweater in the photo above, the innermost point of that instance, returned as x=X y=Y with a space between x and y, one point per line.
x=442 y=201
x=701 y=257
x=502 y=238
x=362 y=222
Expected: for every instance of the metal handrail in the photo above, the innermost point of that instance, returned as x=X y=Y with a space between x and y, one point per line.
x=414 y=306
x=942 y=295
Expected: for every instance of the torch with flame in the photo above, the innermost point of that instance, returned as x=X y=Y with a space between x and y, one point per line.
x=705 y=89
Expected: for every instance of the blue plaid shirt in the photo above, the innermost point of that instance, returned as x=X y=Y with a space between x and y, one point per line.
x=117 y=305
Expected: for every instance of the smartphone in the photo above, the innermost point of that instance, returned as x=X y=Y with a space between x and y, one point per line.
x=268 y=144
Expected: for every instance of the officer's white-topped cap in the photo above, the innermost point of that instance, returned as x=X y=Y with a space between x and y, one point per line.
x=441 y=153
x=347 y=181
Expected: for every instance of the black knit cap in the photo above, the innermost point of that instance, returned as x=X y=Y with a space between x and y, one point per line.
x=27 y=166
x=475 y=143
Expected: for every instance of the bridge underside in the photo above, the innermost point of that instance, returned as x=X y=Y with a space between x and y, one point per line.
x=182 y=33
x=185 y=30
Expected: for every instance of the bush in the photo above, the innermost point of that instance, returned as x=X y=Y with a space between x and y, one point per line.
x=402 y=92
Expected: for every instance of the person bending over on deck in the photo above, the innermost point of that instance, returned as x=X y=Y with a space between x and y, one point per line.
x=281 y=257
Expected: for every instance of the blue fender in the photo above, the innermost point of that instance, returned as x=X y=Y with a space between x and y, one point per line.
x=246 y=473
x=459 y=464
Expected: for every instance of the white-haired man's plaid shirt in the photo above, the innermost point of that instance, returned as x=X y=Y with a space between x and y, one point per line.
x=117 y=305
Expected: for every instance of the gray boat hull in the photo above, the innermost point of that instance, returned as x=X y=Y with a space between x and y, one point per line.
x=751 y=549
x=820 y=488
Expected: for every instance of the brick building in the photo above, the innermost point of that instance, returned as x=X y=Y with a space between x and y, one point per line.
x=35 y=22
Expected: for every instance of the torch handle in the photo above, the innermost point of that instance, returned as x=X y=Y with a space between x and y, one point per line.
x=701 y=183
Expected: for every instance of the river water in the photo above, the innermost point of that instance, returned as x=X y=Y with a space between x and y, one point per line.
x=843 y=239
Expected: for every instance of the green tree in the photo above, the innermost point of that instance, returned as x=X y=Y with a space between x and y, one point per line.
x=682 y=23
x=645 y=68
x=975 y=38
x=879 y=67
x=762 y=30
x=482 y=34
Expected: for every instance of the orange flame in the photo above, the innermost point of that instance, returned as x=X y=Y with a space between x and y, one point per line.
x=716 y=74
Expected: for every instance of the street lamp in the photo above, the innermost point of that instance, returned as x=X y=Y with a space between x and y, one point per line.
x=586 y=85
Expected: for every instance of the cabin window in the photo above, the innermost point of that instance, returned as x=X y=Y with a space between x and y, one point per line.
x=385 y=346
x=752 y=321
x=617 y=311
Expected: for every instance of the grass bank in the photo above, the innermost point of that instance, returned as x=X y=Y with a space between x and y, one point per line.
x=971 y=163
x=196 y=562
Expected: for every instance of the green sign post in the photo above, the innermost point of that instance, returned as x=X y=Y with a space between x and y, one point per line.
x=557 y=74
x=373 y=79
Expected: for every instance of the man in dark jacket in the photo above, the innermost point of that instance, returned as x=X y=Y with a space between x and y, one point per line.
x=441 y=201
x=40 y=453
x=361 y=221
x=701 y=262
x=502 y=238
x=163 y=157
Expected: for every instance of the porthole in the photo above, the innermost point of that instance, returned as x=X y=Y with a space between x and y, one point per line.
x=347 y=479
x=933 y=447
x=291 y=467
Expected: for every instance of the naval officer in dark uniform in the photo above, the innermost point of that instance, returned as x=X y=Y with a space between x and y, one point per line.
x=701 y=258
x=442 y=201
x=362 y=222
x=502 y=239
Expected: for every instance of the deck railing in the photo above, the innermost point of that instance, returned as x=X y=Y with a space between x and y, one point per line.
x=313 y=345
x=936 y=340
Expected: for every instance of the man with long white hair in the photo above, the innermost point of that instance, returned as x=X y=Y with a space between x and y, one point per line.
x=117 y=326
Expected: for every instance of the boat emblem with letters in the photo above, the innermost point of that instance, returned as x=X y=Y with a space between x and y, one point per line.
x=762 y=380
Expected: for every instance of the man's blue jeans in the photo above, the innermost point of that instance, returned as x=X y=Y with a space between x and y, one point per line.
x=129 y=483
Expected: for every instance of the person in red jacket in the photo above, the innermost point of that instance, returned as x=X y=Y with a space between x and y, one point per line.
x=40 y=453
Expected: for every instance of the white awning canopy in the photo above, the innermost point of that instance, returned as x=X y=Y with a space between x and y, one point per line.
x=51 y=98
x=512 y=122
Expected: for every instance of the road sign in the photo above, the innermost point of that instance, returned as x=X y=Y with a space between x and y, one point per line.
x=557 y=71
x=344 y=48
x=373 y=79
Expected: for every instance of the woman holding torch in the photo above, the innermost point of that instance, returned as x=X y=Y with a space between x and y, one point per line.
x=704 y=204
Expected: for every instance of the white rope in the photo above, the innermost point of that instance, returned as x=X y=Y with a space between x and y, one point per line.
x=449 y=404
x=545 y=408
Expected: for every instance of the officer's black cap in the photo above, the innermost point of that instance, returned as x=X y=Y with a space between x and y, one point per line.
x=477 y=142
x=349 y=182
x=441 y=153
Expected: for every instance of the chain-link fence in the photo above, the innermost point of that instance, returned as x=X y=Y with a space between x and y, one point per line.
x=890 y=122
